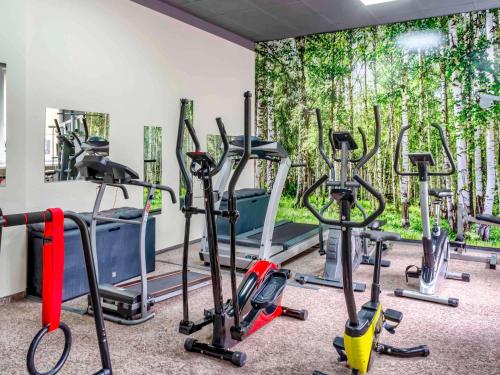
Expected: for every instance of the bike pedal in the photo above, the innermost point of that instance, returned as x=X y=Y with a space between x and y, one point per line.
x=338 y=344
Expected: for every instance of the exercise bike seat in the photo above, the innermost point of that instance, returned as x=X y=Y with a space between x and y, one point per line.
x=377 y=224
x=269 y=291
x=495 y=220
x=380 y=236
x=440 y=193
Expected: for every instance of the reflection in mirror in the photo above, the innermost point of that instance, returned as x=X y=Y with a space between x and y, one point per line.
x=152 y=163
x=187 y=145
x=3 y=124
x=69 y=136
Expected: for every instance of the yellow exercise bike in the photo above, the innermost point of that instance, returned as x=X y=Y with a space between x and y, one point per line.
x=362 y=330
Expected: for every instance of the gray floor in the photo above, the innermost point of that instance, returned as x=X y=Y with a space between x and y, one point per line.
x=463 y=340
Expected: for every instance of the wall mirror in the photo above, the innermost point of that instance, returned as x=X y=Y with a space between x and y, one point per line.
x=153 y=163
x=3 y=124
x=69 y=136
x=187 y=145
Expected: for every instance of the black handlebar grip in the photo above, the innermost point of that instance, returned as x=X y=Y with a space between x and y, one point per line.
x=365 y=147
x=310 y=207
x=86 y=129
x=376 y=146
x=58 y=128
x=25 y=218
x=381 y=202
x=225 y=146
x=320 y=140
x=192 y=133
x=247 y=147
x=398 y=154
x=447 y=152
x=179 y=152
x=168 y=190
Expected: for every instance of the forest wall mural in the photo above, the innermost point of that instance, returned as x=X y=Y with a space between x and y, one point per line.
x=419 y=73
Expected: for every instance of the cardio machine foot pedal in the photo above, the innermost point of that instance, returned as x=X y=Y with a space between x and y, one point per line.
x=392 y=316
x=338 y=344
x=370 y=261
x=414 y=274
x=417 y=351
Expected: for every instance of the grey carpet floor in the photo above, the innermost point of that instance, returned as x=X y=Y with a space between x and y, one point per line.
x=463 y=340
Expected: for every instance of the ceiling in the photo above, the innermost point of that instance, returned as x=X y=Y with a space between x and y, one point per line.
x=262 y=20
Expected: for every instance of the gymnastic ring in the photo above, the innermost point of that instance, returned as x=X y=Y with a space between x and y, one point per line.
x=30 y=360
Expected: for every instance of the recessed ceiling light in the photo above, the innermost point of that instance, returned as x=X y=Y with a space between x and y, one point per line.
x=373 y=2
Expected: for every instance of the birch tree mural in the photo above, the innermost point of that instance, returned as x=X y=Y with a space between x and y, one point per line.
x=345 y=73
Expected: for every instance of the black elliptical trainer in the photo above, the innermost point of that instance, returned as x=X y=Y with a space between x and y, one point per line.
x=257 y=300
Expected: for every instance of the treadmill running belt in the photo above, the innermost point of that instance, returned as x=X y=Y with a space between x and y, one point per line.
x=167 y=283
x=286 y=232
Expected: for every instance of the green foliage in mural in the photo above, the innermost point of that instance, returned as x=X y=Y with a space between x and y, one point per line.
x=420 y=72
x=153 y=163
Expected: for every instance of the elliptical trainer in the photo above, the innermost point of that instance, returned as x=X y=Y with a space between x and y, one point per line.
x=257 y=300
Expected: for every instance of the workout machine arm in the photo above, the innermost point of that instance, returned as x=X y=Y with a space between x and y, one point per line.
x=225 y=146
x=445 y=147
x=446 y=151
x=367 y=156
x=320 y=140
x=231 y=204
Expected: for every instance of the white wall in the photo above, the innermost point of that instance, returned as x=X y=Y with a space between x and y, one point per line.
x=116 y=57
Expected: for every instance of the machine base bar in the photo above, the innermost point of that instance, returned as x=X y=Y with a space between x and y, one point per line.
x=458 y=276
x=370 y=261
x=491 y=261
x=236 y=358
x=317 y=280
x=453 y=302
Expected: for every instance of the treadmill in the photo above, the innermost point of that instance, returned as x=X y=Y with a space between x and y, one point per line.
x=124 y=303
x=258 y=235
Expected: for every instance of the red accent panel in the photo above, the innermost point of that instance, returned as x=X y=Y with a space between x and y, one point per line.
x=53 y=269
x=261 y=268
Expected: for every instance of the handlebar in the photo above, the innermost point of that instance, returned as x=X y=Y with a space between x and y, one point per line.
x=123 y=188
x=24 y=219
x=376 y=146
x=247 y=149
x=85 y=129
x=181 y=158
x=225 y=146
x=156 y=186
x=192 y=133
x=320 y=140
x=58 y=128
x=352 y=224
x=445 y=147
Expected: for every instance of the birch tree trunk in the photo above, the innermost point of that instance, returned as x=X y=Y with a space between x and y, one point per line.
x=490 y=132
x=404 y=186
x=461 y=146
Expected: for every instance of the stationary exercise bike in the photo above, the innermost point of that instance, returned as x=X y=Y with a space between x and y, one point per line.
x=435 y=241
x=362 y=330
x=361 y=254
x=257 y=300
